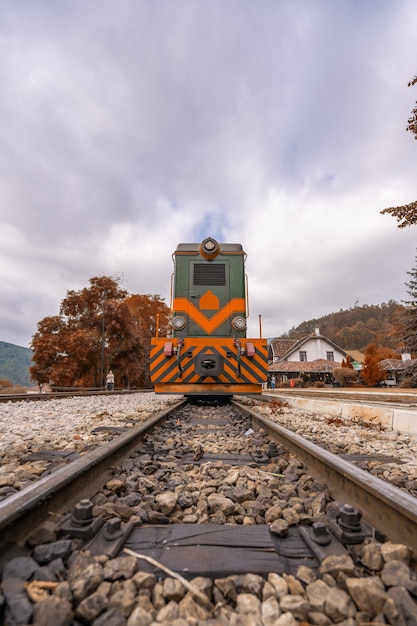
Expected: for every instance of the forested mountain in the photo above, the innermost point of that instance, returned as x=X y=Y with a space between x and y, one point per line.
x=14 y=363
x=355 y=328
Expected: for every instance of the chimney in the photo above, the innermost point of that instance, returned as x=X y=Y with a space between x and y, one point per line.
x=317 y=331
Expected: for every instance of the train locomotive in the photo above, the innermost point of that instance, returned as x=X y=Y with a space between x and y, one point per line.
x=208 y=353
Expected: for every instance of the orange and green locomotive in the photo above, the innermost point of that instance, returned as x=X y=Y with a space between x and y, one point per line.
x=208 y=353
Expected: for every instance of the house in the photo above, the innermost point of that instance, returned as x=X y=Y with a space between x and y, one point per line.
x=312 y=358
x=396 y=369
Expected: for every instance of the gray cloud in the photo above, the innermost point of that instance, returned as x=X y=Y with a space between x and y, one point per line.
x=128 y=129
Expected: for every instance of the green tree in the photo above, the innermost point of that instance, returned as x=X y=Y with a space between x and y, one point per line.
x=409 y=326
x=372 y=373
x=406 y=215
x=409 y=318
x=96 y=330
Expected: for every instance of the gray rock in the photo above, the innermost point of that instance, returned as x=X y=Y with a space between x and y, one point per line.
x=333 y=565
x=395 y=552
x=319 y=619
x=167 y=502
x=87 y=582
x=398 y=574
x=217 y=502
x=338 y=605
x=91 y=606
x=53 y=611
x=295 y=587
x=279 y=585
x=18 y=608
x=270 y=611
x=273 y=513
x=20 y=567
x=49 y=551
x=123 y=600
x=120 y=567
x=368 y=594
x=144 y=580
x=317 y=593
x=249 y=583
x=168 y=613
x=173 y=589
x=279 y=527
x=249 y=606
x=372 y=557
x=140 y=617
x=405 y=605
x=296 y=605
x=190 y=608
x=112 y=617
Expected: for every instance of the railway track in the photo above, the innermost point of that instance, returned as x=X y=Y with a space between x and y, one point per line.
x=68 y=393
x=212 y=492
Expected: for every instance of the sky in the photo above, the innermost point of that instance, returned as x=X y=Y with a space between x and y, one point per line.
x=129 y=127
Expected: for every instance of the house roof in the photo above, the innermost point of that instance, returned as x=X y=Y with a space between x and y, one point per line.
x=356 y=355
x=297 y=344
x=280 y=346
x=396 y=364
x=307 y=367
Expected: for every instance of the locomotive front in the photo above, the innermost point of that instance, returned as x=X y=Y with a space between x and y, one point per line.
x=208 y=353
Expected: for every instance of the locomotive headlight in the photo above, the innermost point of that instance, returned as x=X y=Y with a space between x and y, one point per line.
x=239 y=323
x=178 y=322
x=209 y=245
x=209 y=248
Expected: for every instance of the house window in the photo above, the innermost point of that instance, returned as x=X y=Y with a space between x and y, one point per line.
x=303 y=355
x=330 y=356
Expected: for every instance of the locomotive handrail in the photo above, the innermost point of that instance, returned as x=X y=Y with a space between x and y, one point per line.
x=179 y=345
x=237 y=344
x=247 y=294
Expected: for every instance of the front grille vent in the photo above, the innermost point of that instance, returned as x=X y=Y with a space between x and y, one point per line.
x=209 y=274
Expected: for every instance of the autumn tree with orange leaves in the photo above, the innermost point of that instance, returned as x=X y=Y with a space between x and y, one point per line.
x=98 y=328
x=372 y=373
x=406 y=215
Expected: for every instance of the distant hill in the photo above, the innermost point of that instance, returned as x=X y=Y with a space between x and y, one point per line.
x=357 y=327
x=14 y=364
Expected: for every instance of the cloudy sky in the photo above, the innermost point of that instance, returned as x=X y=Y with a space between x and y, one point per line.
x=128 y=127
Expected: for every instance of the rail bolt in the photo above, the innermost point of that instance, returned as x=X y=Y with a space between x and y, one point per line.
x=113 y=529
x=350 y=518
x=273 y=449
x=321 y=534
x=83 y=512
x=150 y=446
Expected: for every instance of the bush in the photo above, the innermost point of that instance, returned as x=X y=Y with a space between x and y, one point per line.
x=411 y=373
x=407 y=383
x=345 y=376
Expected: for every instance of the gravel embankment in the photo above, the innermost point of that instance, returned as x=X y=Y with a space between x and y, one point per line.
x=62 y=585
x=72 y=426
x=394 y=454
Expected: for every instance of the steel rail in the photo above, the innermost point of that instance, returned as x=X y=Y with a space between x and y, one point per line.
x=53 y=395
x=389 y=509
x=58 y=492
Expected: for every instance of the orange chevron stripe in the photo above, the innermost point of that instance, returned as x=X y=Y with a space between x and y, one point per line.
x=236 y=305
